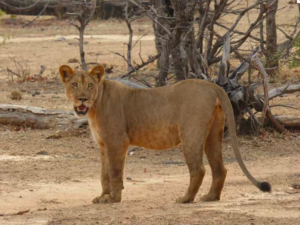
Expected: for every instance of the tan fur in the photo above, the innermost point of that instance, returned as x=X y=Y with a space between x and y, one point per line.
x=189 y=112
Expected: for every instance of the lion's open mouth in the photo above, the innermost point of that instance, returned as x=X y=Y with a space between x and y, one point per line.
x=81 y=110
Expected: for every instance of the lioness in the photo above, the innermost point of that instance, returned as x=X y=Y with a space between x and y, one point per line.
x=190 y=112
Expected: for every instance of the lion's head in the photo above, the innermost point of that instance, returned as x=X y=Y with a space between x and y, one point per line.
x=82 y=87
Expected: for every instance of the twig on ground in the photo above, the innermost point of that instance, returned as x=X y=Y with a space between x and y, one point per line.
x=12 y=72
x=285 y=106
x=15 y=214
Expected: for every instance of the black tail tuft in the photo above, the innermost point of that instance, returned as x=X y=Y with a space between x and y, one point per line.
x=265 y=187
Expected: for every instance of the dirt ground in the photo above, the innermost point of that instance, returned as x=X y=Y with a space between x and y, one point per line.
x=56 y=179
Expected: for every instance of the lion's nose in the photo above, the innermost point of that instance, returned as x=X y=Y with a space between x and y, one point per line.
x=82 y=99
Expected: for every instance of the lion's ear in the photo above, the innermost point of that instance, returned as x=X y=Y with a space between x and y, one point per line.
x=97 y=72
x=66 y=73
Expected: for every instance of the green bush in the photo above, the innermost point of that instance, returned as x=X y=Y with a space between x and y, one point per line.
x=1 y=13
x=296 y=58
x=5 y=37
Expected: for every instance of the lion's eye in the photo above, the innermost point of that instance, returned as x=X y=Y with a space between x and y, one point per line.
x=75 y=85
x=91 y=85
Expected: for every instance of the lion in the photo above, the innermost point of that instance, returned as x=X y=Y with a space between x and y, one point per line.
x=191 y=113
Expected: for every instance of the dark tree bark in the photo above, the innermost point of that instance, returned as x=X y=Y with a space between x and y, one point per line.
x=184 y=12
x=179 y=54
x=162 y=41
x=261 y=30
x=158 y=30
x=164 y=62
x=271 y=39
x=180 y=63
x=181 y=42
x=203 y=22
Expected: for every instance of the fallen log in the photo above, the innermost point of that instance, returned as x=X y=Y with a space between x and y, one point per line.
x=38 y=118
x=289 y=121
x=243 y=99
x=283 y=90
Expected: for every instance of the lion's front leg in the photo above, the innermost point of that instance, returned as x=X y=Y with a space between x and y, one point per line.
x=116 y=155
x=105 y=181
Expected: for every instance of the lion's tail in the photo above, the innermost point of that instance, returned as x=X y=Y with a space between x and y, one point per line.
x=263 y=186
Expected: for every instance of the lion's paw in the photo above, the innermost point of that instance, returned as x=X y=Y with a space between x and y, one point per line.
x=184 y=200
x=209 y=198
x=104 y=199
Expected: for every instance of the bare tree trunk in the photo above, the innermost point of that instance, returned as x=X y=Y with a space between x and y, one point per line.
x=184 y=34
x=158 y=30
x=81 y=50
x=261 y=30
x=164 y=63
x=192 y=53
x=84 y=14
x=271 y=51
x=162 y=41
x=179 y=55
x=129 y=45
x=180 y=62
x=203 y=22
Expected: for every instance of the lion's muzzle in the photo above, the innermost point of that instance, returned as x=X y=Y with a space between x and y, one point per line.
x=81 y=110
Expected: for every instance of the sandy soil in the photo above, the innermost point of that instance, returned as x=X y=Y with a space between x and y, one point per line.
x=56 y=179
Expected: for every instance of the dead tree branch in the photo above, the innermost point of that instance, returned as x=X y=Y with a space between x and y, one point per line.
x=150 y=15
x=283 y=90
x=30 y=22
x=83 y=16
x=258 y=65
x=151 y=59
x=21 y=8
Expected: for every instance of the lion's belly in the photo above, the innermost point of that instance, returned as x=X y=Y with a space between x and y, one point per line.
x=157 y=138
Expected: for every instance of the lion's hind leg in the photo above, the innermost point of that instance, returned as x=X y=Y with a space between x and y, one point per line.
x=193 y=153
x=213 y=150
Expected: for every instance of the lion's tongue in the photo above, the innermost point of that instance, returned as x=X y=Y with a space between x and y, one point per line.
x=82 y=107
